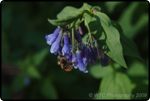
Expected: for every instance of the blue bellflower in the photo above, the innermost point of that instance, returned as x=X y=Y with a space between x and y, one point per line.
x=81 y=65
x=66 y=50
x=56 y=45
x=52 y=37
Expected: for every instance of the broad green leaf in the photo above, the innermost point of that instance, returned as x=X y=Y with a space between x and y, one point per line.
x=18 y=82
x=138 y=74
x=115 y=86
x=112 y=39
x=129 y=47
x=33 y=72
x=39 y=56
x=68 y=11
x=98 y=71
x=48 y=89
x=110 y=43
x=87 y=7
x=137 y=69
x=64 y=21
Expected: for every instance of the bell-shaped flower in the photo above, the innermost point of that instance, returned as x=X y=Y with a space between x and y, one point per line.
x=50 y=39
x=56 y=45
x=66 y=50
x=81 y=65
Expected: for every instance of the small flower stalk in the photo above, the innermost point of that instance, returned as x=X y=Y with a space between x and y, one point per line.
x=69 y=44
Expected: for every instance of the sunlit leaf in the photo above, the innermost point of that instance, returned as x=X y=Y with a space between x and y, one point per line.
x=129 y=47
x=98 y=71
x=115 y=86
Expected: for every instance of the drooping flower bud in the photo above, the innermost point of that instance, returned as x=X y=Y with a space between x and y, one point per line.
x=105 y=60
x=77 y=36
x=80 y=30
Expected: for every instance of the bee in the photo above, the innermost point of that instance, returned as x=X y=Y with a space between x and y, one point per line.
x=64 y=63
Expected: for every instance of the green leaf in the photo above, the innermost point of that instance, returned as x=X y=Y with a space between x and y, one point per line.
x=33 y=72
x=64 y=21
x=115 y=86
x=98 y=72
x=18 y=82
x=96 y=8
x=48 y=89
x=87 y=7
x=137 y=69
x=39 y=56
x=110 y=40
x=68 y=11
x=129 y=47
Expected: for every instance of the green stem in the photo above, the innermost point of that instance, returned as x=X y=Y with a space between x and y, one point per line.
x=90 y=35
x=73 y=40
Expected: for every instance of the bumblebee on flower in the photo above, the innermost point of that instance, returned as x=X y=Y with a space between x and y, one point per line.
x=72 y=47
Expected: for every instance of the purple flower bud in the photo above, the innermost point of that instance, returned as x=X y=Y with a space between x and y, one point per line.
x=105 y=60
x=52 y=37
x=77 y=36
x=80 y=30
x=56 y=45
x=81 y=65
x=92 y=58
x=66 y=50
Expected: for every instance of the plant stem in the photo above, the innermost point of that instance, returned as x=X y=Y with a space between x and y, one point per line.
x=90 y=36
x=73 y=39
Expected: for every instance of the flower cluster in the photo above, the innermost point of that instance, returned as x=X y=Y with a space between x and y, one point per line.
x=72 y=47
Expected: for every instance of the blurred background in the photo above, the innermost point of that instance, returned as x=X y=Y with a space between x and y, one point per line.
x=30 y=71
